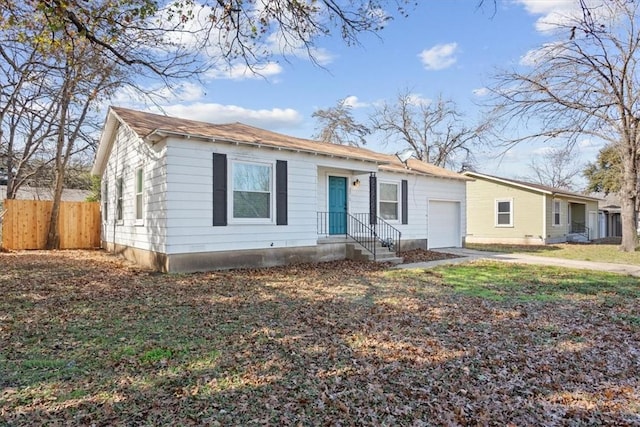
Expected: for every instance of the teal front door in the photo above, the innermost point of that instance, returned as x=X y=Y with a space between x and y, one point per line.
x=337 y=205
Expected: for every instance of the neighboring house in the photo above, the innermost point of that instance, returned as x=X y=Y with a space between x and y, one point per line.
x=609 y=215
x=180 y=195
x=501 y=210
x=3 y=169
x=42 y=193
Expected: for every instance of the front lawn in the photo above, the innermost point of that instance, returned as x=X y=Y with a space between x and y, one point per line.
x=86 y=339
x=582 y=252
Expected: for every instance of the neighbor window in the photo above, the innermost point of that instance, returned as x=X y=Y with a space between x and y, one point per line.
x=119 y=199
x=105 y=200
x=504 y=213
x=556 y=212
x=139 y=188
x=252 y=183
x=389 y=201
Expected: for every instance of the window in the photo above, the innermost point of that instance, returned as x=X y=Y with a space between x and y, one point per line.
x=105 y=200
x=139 y=187
x=389 y=201
x=252 y=190
x=119 y=199
x=504 y=213
x=556 y=212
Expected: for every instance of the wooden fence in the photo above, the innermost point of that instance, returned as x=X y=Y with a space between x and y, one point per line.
x=25 y=224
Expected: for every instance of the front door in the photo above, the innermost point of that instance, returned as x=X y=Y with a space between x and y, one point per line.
x=337 y=205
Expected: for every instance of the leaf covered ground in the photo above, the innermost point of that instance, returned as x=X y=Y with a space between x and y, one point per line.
x=87 y=339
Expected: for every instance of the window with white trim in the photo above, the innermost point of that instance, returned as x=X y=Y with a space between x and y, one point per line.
x=388 y=201
x=139 y=187
x=105 y=200
x=556 y=212
x=504 y=213
x=119 y=188
x=252 y=185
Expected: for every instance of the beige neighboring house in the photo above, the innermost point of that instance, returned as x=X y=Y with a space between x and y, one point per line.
x=508 y=211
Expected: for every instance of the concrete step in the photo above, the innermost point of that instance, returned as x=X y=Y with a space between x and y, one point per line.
x=383 y=254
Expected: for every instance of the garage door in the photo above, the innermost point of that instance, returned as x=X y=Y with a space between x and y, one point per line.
x=443 y=224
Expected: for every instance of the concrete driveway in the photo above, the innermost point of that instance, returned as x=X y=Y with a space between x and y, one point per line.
x=468 y=255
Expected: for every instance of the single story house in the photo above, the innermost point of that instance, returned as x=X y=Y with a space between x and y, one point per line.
x=609 y=212
x=509 y=211
x=181 y=195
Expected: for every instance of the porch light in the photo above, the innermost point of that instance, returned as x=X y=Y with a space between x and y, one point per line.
x=356 y=183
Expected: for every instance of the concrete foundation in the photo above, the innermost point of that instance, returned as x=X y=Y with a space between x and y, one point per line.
x=326 y=250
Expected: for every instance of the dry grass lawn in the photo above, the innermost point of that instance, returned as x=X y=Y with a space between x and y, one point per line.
x=86 y=339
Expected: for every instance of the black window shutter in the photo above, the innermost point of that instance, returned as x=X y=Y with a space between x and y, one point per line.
x=219 y=189
x=373 y=199
x=281 y=192
x=405 y=201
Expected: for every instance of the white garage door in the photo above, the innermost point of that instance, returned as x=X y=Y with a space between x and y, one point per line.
x=443 y=224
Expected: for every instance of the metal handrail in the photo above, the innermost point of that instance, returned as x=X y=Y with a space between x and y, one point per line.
x=358 y=228
x=386 y=234
x=580 y=228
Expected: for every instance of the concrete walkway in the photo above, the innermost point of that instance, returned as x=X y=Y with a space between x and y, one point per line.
x=468 y=255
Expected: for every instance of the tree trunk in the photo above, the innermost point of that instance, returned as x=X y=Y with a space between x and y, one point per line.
x=53 y=236
x=628 y=199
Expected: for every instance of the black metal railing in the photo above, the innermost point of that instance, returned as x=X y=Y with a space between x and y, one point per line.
x=358 y=227
x=579 y=228
x=387 y=235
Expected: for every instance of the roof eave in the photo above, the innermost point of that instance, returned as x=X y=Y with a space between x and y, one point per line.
x=107 y=136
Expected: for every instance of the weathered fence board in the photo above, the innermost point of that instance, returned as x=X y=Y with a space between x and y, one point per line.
x=26 y=223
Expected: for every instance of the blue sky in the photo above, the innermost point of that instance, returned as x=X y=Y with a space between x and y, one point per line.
x=445 y=47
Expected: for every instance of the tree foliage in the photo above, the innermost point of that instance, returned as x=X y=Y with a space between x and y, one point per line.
x=585 y=83
x=605 y=173
x=175 y=37
x=337 y=125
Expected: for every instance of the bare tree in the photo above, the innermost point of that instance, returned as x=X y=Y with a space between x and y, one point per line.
x=557 y=168
x=435 y=130
x=584 y=83
x=337 y=125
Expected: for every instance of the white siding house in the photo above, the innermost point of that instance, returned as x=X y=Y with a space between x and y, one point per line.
x=180 y=195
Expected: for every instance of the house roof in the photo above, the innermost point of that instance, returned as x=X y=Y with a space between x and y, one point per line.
x=543 y=189
x=154 y=127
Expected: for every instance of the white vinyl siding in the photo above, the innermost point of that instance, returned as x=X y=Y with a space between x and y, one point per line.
x=388 y=201
x=504 y=213
x=127 y=154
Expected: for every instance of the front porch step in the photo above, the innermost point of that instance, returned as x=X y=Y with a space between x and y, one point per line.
x=577 y=238
x=383 y=254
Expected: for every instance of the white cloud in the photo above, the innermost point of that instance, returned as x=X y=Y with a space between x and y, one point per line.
x=242 y=72
x=278 y=43
x=557 y=12
x=541 y=54
x=274 y=118
x=353 y=102
x=480 y=92
x=418 y=100
x=439 y=57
